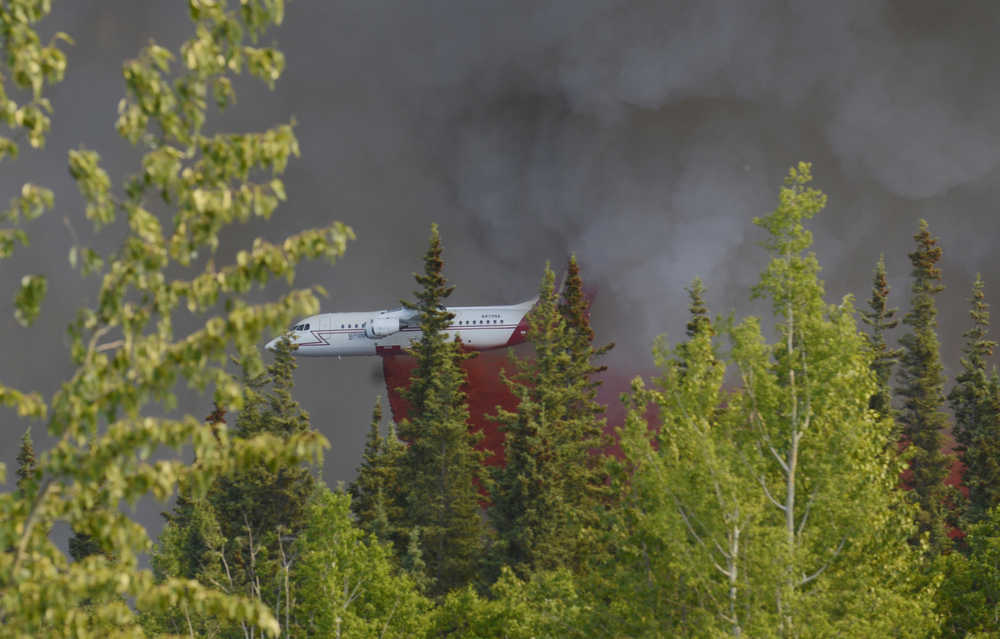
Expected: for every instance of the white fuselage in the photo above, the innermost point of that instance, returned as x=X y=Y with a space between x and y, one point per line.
x=392 y=331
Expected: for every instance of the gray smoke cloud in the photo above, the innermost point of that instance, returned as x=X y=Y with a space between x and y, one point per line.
x=643 y=136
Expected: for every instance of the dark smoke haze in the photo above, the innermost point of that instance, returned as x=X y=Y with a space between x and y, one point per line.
x=643 y=136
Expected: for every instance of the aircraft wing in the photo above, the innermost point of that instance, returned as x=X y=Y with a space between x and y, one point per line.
x=407 y=317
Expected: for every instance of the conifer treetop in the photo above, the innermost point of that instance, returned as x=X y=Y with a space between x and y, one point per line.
x=439 y=470
x=433 y=289
x=25 y=460
x=921 y=379
x=697 y=308
x=975 y=402
x=979 y=348
x=881 y=318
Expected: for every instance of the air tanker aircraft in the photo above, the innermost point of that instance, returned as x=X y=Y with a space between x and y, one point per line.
x=390 y=332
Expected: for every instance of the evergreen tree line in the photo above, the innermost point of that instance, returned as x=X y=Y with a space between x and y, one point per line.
x=783 y=488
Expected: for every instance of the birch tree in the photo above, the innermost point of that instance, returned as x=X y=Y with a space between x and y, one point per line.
x=768 y=510
x=825 y=466
x=106 y=419
x=691 y=499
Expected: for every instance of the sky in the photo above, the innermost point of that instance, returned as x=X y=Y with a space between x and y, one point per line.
x=642 y=136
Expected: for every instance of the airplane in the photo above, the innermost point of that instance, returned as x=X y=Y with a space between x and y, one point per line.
x=390 y=332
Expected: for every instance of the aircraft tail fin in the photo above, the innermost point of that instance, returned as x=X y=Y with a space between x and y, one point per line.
x=526 y=305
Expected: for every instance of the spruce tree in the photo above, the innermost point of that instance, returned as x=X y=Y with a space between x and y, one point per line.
x=921 y=383
x=975 y=403
x=373 y=490
x=26 y=471
x=585 y=438
x=527 y=512
x=575 y=310
x=259 y=501
x=441 y=470
x=553 y=485
x=699 y=319
x=881 y=318
x=366 y=489
x=235 y=535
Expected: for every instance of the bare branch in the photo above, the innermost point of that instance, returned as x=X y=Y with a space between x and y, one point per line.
x=805 y=515
x=187 y=616
x=107 y=346
x=767 y=492
x=722 y=570
x=822 y=569
x=385 y=626
x=784 y=465
x=687 y=522
x=29 y=524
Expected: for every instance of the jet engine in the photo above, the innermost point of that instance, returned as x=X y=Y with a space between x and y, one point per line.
x=381 y=327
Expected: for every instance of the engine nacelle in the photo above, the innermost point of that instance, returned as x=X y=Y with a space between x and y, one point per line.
x=381 y=327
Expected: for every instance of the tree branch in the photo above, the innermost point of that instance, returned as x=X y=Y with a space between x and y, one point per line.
x=805 y=515
x=767 y=492
x=822 y=569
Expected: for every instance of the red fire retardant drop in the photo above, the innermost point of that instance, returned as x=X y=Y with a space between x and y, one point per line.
x=486 y=391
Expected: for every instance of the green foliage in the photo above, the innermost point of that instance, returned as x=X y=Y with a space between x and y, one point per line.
x=372 y=491
x=549 y=605
x=124 y=350
x=921 y=387
x=440 y=470
x=975 y=402
x=689 y=535
x=191 y=547
x=82 y=546
x=27 y=472
x=970 y=592
x=345 y=583
x=28 y=301
x=772 y=510
x=31 y=66
x=237 y=537
x=575 y=310
x=700 y=320
x=881 y=319
x=548 y=497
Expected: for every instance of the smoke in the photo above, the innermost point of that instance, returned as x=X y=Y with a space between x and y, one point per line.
x=643 y=136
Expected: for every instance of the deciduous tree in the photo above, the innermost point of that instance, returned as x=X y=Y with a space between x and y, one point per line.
x=778 y=499
x=124 y=349
x=347 y=584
